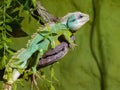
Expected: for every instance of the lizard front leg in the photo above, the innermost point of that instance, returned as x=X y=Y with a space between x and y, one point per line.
x=35 y=74
x=67 y=35
x=42 y=48
x=39 y=55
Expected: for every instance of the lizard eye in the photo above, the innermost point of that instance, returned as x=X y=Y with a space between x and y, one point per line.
x=80 y=16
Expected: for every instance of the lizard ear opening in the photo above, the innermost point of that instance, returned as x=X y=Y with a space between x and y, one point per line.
x=67 y=22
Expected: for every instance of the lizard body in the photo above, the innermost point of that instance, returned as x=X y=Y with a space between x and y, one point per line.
x=44 y=39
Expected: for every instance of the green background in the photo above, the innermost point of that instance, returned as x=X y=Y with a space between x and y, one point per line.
x=94 y=64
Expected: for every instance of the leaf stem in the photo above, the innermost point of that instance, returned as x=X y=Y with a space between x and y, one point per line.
x=4 y=30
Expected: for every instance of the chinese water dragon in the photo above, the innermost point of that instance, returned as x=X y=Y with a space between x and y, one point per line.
x=43 y=40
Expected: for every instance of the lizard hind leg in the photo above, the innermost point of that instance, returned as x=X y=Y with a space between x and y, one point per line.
x=34 y=82
x=35 y=73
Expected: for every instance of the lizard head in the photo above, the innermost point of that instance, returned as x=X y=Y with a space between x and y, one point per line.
x=75 y=20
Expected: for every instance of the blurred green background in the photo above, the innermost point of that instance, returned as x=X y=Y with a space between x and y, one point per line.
x=94 y=64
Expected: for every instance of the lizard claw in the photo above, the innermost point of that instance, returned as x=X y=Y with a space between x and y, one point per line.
x=34 y=75
x=34 y=82
x=73 y=45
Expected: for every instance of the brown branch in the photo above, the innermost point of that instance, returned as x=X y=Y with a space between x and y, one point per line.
x=54 y=55
x=45 y=16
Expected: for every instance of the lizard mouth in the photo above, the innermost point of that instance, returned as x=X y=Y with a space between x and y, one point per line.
x=87 y=16
x=85 y=19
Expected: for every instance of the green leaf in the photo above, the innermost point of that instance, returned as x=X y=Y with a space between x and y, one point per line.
x=7 y=20
x=4 y=57
x=34 y=3
x=8 y=27
x=1 y=22
x=14 y=86
x=1 y=46
x=8 y=40
x=1 y=28
x=10 y=52
x=3 y=62
x=52 y=87
x=8 y=16
x=52 y=72
x=8 y=2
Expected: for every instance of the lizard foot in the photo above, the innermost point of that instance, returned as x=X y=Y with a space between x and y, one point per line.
x=7 y=87
x=34 y=82
x=34 y=75
x=73 y=45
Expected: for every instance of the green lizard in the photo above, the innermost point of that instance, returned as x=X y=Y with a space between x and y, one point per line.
x=44 y=39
